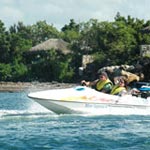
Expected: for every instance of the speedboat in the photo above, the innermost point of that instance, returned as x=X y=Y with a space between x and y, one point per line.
x=143 y=87
x=84 y=100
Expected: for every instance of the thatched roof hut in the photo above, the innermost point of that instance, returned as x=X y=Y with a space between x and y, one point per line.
x=57 y=44
x=146 y=29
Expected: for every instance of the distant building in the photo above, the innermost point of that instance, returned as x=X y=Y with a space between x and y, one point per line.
x=86 y=59
x=145 y=50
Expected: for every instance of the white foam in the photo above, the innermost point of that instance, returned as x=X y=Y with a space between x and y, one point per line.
x=34 y=110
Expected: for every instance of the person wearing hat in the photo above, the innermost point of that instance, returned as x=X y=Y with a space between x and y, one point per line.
x=119 y=88
x=103 y=84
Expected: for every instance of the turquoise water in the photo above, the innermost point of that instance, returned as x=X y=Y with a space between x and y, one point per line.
x=25 y=125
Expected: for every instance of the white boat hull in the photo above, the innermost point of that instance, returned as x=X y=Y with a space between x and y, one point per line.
x=88 y=101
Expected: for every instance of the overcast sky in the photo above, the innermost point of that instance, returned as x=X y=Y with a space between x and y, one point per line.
x=59 y=12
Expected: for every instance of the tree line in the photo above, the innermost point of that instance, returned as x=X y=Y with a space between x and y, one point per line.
x=110 y=43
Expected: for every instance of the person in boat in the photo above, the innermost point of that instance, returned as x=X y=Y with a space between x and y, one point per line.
x=102 y=84
x=119 y=87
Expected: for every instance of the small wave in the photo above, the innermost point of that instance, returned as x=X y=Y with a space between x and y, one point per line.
x=33 y=110
x=19 y=113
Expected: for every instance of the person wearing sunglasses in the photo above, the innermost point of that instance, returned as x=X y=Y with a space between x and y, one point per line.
x=119 y=88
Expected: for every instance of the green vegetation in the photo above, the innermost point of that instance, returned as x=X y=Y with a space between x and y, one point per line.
x=112 y=43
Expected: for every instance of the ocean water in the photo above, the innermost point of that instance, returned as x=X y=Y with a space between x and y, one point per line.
x=25 y=125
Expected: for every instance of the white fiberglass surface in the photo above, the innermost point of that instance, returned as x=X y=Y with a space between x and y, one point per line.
x=60 y=93
x=84 y=93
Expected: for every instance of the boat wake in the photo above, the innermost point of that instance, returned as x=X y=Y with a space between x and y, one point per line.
x=34 y=110
x=46 y=113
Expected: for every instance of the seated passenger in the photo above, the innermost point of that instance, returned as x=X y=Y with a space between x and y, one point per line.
x=119 y=88
x=102 y=84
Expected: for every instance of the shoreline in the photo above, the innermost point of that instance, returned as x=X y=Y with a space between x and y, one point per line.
x=32 y=86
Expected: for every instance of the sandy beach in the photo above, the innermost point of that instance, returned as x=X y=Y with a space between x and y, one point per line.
x=31 y=86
